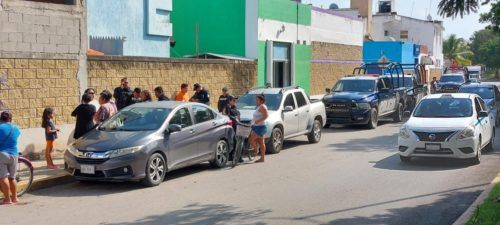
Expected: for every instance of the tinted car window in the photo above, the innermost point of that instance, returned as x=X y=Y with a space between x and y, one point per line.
x=247 y=101
x=354 y=86
x=136 y=119
x=182 y=117
x=301 y=100
x=202 y=114
x=289 y=101
x=484 y=92
x=457 y=79
x=444 y=108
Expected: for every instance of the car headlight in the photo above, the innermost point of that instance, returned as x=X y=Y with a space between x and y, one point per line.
x=404 y=133
x=467 y=133
x=123 y=151
x=71 y=149
x=363 y=105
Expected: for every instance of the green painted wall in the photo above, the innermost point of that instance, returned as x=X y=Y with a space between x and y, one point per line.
x=221 y=26
x=261 y=64
x=303 y=66
x=285 y=11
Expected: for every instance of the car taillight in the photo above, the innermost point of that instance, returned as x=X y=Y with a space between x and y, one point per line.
x=230 y=123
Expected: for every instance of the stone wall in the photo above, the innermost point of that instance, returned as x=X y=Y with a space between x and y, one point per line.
x=34 y=84
x=36 y=27
x=329 y=62
x=147 y=73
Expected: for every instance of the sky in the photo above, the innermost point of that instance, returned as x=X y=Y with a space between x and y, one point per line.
x=462 y=27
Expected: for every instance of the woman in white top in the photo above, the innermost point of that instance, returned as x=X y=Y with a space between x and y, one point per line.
x=259 y=128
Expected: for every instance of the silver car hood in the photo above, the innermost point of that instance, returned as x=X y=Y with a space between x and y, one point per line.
x=101 y=141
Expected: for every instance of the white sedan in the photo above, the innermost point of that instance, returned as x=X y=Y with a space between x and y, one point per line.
x=448 y=126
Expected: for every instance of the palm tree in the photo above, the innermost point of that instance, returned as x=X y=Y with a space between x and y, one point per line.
x=457 y=49
x=452 y=8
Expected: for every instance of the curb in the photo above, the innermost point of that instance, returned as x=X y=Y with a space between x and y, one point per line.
x=465 y=217
x=58 y=179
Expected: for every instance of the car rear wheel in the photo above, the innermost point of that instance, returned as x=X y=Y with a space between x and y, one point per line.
x=315 y=135
x=221 y=154
x=405 y=159
x=373 y=122
x=275 y=143
x=155 y=170
x=398 y=115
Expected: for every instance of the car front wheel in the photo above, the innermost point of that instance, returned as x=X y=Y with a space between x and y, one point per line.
x=275 y=143
x=155 y=170
x=373 y=122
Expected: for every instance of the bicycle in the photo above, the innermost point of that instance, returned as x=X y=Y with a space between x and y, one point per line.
x=243 y=132
x=24 y=175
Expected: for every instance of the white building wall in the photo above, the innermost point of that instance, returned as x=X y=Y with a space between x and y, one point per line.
x=419 y=32
x=330 y=28
x=273 y=30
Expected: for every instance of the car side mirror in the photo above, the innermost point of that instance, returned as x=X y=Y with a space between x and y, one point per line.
x=288 y=108
x=483 y=114
x=328 y=90
x=172 y=128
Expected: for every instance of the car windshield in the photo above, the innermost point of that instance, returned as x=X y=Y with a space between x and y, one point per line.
x=354 y=86
x=247 y=101
x=444 y=108
x=407 y=81
x=484 y=92
x=136 y=119
x=457 y=79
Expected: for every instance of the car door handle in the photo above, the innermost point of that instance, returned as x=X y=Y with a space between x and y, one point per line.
x=296 y=115
x=192 y=131
x=214 y=124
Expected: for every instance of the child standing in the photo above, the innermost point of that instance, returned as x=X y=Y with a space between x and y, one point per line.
x=50 y=135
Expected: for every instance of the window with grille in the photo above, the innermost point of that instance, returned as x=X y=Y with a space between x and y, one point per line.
x=403 y=34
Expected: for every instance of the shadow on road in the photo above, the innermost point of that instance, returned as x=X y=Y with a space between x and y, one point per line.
x=206 y=214
x=379 y=143
x=452 y=204
x=421 y=164
x=95 y=188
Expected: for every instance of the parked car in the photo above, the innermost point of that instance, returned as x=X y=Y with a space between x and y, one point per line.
x=363 y=99
x=414 y=90
x=490 y=94
x=291 y=114
x=450 y=83
x=447 y=125
x=146 y=140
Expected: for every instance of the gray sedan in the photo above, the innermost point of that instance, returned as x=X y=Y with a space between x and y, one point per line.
x=145 y=140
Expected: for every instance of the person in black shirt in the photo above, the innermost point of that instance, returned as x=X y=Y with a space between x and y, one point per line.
x=160 y=94
x=222 y=103
x=231 y=111
x=200 y=95
x=84 y=114
x=123 y=95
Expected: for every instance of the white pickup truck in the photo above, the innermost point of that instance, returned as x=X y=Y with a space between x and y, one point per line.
x=291 y=113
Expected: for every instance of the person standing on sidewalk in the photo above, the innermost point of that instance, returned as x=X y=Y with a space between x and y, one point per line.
x=136 y=95
x=84 y=114
x=50 y=135
x=160 y=94
x=94 y=101
x=107 y=108
x=259 y=128
x=146 y=96
x=9 y=134
x=222 y=103
x=182 y=96
x=200 y=95
x=123 y=95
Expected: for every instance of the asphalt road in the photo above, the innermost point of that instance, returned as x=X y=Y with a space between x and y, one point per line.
x=353 y=176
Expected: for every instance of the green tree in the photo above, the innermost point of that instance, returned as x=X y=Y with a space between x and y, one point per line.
x=479 y=38
x=457 y=49
x=454 y=8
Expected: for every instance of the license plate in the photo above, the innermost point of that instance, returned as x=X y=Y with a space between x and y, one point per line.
x=87 y=169
x=338 y=110
x=432 y=147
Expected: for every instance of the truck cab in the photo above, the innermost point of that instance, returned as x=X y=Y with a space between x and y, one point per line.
x=363 y=100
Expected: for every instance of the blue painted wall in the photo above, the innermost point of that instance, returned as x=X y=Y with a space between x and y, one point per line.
x=395 y=51
x=145 y=25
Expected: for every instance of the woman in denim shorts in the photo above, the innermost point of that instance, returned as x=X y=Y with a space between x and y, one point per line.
x=259 y=128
